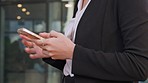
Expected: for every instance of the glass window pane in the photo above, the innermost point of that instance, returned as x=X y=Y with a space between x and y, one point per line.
x=44 y=16
x=55 y=16
x=59 y=14
x=31 y=16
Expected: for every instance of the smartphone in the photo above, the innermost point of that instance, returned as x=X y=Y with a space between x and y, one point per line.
x=28 y=33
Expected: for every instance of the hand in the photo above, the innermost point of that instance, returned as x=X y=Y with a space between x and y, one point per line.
x=32 y=49
x=58 y=46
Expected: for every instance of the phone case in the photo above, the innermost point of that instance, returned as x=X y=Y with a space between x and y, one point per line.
x=28 y=33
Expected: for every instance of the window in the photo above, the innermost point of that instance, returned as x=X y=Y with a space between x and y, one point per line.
x=38 y=16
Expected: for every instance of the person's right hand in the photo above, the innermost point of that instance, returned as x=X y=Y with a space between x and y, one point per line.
x=32 y=49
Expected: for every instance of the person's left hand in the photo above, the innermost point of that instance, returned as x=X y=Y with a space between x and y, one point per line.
x=58 y=46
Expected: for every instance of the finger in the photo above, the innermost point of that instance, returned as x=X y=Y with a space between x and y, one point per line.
x=54 y=58
x=27 y=43
x=25 y=37
x=47 y=48
x=39 y=42
x=42 y=42
x=30 y=50
x=46 y=54
x=45 y=35
x=34 y=56
x=51 y=54
x=55 y=34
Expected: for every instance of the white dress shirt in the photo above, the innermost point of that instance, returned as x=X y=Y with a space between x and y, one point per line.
x=70 y=32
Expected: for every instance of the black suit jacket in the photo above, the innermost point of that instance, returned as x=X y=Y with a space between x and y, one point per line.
x=111 y=43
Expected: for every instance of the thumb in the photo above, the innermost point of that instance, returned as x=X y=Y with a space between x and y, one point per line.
x=55 y=34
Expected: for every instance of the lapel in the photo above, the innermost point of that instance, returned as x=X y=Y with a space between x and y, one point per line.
x=92 y=19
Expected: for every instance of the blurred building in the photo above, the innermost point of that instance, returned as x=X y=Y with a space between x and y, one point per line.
x=38 y=16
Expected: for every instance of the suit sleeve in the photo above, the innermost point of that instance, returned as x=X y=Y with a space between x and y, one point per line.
x=59 y=64
x=129 y=65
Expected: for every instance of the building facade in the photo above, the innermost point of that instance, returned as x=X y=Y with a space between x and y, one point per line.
x=35 y=15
